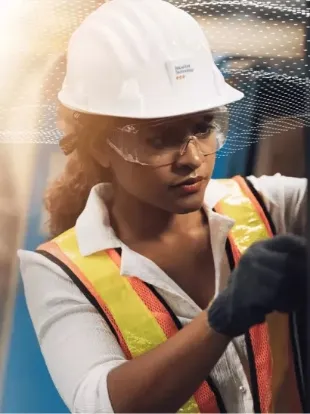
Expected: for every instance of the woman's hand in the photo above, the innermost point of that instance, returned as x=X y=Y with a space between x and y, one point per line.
x=271 y=276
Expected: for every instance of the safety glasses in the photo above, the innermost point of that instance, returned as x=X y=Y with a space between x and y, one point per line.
x=161 y=142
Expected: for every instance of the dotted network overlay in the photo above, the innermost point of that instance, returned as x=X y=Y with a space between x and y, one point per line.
x=260 y=47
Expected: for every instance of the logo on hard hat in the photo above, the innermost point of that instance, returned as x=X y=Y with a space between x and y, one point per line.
x=183 y=69
x=179 y=70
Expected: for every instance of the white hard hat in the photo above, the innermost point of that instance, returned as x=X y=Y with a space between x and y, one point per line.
x=142 y=59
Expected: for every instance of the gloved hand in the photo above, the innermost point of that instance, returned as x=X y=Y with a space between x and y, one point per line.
x=271 y=276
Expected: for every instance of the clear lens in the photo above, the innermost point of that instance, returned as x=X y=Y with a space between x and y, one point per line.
x=161 y=142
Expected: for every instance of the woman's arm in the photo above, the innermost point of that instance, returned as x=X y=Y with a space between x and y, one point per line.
x=163 y=379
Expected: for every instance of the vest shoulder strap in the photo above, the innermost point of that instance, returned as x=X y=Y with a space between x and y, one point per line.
x=251 y=222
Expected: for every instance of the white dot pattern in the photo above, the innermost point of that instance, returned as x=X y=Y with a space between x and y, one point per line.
x=258 y=45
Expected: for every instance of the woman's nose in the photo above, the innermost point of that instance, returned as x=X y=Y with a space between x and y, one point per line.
x=190 y=155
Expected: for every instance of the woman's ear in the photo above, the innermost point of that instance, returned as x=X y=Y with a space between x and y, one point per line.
x=99 y=150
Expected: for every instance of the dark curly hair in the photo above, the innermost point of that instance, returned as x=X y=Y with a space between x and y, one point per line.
x=66 y=197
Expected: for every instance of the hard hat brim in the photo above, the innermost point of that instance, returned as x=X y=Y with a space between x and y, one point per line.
x=228 y=96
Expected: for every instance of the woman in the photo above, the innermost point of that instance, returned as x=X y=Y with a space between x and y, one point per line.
x=138 y=251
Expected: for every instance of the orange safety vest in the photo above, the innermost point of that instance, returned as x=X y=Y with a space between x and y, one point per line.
x=141 y=320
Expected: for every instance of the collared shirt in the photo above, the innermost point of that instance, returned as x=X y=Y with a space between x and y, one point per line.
x=76 y=342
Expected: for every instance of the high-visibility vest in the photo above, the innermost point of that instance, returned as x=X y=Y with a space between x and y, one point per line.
x=141 y=320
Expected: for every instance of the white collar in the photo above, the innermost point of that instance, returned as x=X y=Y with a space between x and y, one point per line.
x=93 y=228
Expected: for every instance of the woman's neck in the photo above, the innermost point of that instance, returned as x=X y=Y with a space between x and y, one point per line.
x=134 y=220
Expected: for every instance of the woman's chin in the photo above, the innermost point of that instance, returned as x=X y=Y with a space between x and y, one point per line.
x=189 y=204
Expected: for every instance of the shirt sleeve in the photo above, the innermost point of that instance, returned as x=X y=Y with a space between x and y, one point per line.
x=77 y=344
x=286 y=200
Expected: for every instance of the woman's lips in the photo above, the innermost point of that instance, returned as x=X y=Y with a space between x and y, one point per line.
x=189 y=186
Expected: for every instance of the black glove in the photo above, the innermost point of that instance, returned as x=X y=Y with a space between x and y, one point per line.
x=271 y=276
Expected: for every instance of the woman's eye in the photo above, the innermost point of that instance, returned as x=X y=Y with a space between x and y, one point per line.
x=156 y=143
x=203 y=130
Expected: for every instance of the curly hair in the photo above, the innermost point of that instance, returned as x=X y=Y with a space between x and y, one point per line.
x=66 y=197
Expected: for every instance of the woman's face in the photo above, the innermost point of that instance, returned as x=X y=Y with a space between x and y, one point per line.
x=179 y=170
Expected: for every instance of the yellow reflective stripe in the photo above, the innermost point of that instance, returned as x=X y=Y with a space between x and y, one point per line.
x=190 y=407
x=249 y=226
x=137 y=324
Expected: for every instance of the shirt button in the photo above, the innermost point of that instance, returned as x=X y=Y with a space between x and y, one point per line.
x=242 y=389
